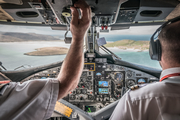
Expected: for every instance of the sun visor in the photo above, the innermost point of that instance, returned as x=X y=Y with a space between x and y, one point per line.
x=174 y=13
x=4 y=15
x=17 y=2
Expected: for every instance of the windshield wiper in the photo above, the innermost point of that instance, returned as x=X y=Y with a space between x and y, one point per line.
x=109 y=52
x=2 y=65
x=23 y=66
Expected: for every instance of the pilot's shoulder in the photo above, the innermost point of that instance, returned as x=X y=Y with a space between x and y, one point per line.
x=135 y=87
x=144 y=86
x=145 y=90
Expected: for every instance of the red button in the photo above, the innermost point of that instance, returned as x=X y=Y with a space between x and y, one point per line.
x=102 y=27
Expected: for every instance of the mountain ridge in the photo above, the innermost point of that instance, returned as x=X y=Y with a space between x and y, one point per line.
x=21 y=37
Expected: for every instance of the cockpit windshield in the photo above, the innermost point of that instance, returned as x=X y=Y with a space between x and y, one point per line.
x=25 y=46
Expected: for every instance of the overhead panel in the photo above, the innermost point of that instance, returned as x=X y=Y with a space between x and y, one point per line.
x=153 y=13
x=174 y=13
x=154 y=10
x=128 y=11
x=4 y=15
x=33 y=14
x=17 y=2
x=58 y=6
x=28 y=14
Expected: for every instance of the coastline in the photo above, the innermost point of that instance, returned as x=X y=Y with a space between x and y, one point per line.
x=129 y=45
x=128 y=49
x=62 y=44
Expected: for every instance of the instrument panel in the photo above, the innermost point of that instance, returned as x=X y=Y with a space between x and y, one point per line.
x=100 y=83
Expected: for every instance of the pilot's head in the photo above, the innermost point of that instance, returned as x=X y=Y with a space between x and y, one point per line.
x=169 y=38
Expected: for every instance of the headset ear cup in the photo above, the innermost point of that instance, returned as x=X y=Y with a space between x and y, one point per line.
x=159 y=51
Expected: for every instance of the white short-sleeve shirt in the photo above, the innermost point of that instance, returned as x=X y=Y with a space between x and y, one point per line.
x=156 y=101
x=31 y=100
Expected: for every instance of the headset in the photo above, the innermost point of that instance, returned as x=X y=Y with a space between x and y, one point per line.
x=155 y=45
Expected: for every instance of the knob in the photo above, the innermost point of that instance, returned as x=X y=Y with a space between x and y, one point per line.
x=90 y=97
x=78 y=91
x=72 y=97
x=81 y=98
x=89 y=77
x=106 y=99
x=89 y=87
x=119 y=87
x=84 y=91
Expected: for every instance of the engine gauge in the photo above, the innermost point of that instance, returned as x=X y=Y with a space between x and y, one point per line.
x=118 y=77
x=83 y=80
x=130 y=83
x=129 y=73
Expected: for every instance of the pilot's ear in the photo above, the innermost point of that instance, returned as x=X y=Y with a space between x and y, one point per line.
x=160 y=64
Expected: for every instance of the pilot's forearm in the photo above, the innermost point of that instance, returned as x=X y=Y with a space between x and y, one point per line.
x=72 y=67
x=73 y=64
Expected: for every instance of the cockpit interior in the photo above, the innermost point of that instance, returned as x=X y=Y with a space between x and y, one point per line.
x=105 y=77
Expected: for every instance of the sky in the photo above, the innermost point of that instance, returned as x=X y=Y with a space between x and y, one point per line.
x=145 y=30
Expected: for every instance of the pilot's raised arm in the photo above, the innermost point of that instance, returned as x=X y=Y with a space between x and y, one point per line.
x=161 y=100
x=35 y=99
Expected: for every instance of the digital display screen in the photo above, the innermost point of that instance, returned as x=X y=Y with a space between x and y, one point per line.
x=103 y=83
x=103 y=90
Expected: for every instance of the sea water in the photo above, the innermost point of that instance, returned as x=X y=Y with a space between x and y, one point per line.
x=12 y=55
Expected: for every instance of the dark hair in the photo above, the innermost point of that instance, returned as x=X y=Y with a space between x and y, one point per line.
x=170 y=42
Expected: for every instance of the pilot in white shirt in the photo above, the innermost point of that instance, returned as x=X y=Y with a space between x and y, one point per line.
x=35 y=100
x=156 y=101
x=160 y=100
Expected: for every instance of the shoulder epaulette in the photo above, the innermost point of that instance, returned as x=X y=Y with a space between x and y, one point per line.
x=134 y=87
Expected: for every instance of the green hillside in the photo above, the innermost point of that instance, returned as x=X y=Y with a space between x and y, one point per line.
x=129 y=44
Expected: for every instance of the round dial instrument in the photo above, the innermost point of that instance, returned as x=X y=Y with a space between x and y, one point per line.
x=118 y=77
x=129 y=73
x=130 y=83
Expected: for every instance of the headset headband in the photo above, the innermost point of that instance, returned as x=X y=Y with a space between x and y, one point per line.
x=155 y=46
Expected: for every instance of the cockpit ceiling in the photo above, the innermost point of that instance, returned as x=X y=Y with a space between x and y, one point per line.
x=4 y=15
x=174 y=13
x=17 y=2
x=119 y=12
